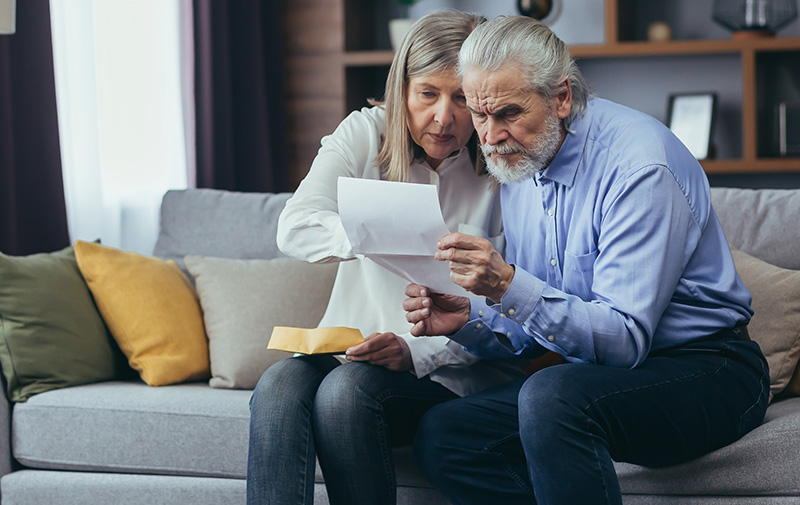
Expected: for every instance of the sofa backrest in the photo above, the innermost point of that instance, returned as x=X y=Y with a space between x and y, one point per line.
x=222 y=224
x=208 y=222
x=764 y=223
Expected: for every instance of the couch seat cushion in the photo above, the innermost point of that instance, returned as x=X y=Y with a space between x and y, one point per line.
x=766 y=461
x=186 y=429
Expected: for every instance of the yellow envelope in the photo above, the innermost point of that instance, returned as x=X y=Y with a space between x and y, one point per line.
x=315 y=340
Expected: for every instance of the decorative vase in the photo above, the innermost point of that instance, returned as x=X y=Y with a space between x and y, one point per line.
x=754 y=18
x=537 y=9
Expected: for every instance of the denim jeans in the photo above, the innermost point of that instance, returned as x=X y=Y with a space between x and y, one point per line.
x=349 y=416
x=552 y=438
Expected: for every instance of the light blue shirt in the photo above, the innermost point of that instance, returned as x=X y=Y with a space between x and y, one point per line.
x=616 y=248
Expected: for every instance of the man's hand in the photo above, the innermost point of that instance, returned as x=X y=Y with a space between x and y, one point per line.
x=475 y=265
x=434 y=314
x=383 y=349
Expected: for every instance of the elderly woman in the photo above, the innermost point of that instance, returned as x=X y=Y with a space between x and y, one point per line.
x=350 y=414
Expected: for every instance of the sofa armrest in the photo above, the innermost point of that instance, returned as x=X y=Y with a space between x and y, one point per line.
x=5 y=430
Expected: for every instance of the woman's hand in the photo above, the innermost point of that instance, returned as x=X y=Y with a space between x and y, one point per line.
x=383 y=349
x=434 y=314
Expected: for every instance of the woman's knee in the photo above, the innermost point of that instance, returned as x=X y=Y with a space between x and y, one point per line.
x=288 y=381
x=349 y=390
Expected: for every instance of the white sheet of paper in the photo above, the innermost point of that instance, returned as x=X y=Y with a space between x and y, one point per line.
x=397 y=225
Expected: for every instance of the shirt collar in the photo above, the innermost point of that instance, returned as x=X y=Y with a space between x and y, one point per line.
x=446 y=163
x=564 y=166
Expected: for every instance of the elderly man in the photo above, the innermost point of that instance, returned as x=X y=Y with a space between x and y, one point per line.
x=614 y=259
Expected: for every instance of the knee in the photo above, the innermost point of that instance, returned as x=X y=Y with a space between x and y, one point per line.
x=286 y=384
x=347 y=391
x=271 y=385
x=551 y=406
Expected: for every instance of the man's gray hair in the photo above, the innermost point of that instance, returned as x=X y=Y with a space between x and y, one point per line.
x=521 y=41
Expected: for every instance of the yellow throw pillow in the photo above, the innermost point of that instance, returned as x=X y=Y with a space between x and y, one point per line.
x=152 y=311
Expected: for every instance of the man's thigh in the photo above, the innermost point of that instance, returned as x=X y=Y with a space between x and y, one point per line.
x=675 y=406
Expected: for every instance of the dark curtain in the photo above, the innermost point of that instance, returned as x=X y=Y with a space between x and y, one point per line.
x=239 y=95
x=33 y=216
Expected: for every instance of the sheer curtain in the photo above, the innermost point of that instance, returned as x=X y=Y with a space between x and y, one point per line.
x=118 y=90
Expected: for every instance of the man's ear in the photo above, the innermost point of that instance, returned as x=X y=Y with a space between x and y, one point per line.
x=562 y=102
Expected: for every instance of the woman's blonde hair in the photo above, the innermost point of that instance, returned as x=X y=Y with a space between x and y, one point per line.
x=431 y=46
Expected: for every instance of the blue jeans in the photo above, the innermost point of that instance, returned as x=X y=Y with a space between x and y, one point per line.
x=551 y=439
x=348 y=416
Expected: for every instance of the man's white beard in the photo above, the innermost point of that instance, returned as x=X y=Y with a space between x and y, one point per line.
x=532 y=160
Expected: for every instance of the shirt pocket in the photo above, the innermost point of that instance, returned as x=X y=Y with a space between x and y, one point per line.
x=579 y=274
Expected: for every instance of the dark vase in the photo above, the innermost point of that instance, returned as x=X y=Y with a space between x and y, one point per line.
x=537 y=9
x=758 y=16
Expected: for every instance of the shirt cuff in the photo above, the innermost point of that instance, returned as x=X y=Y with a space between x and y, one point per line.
x=431 y=353
x=475 y=331
x=521 y=297
x=424 y=352
x=341 y=247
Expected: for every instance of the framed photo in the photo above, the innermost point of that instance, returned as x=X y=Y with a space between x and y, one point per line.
x=691 y=118
x=789 y=128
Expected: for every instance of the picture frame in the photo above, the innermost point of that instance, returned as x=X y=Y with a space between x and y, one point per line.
x=691 y=117
x=789 y=128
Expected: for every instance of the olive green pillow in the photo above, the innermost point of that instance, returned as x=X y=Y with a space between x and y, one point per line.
x=51 y=334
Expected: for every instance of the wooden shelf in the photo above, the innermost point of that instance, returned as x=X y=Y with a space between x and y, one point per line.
x=367 y=58
x=623 y=49
x=328 y=80
x=684 y=47
x=767 y=165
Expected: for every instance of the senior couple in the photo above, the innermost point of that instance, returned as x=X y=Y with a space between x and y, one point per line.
x=613 y=258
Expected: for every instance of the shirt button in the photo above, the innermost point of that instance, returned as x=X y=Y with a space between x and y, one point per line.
x=553 y=262
x=511 y=312
x=550 y=212
x=480 y=313
x=508 y=334
x=550 y=338
x=502 y=315
x=478 y=325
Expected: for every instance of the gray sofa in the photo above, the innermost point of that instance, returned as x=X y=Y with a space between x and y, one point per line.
x=126 y=443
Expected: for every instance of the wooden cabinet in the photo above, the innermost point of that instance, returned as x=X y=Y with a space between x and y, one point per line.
x=765 y=72
x=767 y=67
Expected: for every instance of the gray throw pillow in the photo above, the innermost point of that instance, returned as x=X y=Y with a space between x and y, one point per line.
x=242 y=300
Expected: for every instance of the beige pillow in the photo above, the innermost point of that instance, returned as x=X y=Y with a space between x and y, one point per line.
x=243 y=300
x=152 y=311
x=776 y=322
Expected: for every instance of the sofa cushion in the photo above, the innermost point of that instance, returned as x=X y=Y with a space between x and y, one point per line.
x=186 y=429
x=35 y=487
x=763 y=462
x=243 y=300
x=51 y=335
x=152 y=311
x=776 y=320
x=758 y=222
x=193 y=429
x=223 y=224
